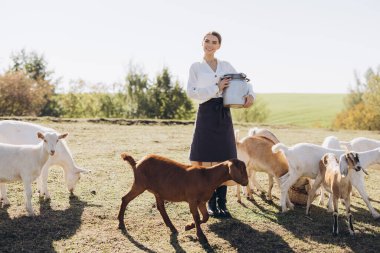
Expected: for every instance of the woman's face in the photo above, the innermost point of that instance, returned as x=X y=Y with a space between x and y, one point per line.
x=210 y=44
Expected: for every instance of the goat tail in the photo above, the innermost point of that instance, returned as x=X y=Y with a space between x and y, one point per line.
x=129 y=159
x=252 y=131
x=346 y=145
x=280 y=147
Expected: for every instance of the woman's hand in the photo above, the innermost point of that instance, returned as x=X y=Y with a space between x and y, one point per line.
x=224 y=83
x=248 y=101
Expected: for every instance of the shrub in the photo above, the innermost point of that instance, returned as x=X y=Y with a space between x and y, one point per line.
x=21 y=95
x=256 y=113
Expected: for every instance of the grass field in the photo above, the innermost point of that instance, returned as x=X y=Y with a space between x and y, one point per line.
x=306 y=110
x=88 y=222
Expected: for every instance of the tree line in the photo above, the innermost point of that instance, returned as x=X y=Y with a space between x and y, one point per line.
x=362 y=104
x=27 y=88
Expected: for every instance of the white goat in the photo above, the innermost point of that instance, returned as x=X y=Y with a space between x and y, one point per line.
x=303 y=159
x=361 y=144
x=336 y=179
x=24 y=162
x=18 y=132
x=331 y=142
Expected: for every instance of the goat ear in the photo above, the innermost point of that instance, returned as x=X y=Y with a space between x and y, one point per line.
x=40 y=136
x=229 y=164
x=63 y=136
x=343 y=165
x=324 y=160
x=347 y=156
x=81 y=170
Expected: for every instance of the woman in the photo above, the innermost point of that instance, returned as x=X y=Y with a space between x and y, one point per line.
x=213 y=140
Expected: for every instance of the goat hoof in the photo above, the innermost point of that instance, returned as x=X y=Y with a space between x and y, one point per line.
x=189 y=226
x=376 y=216
x=239 y=201
x=121 y=226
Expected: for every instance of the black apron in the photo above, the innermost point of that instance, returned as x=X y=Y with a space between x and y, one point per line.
x=214 y=138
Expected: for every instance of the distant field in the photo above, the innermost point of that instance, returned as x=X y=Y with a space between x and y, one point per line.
x=306 y=110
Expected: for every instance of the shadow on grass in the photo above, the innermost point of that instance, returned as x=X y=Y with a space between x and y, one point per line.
x=37 y=234
x=175 y=244
x=136 y=243
x=246 y=239
x=318 y=227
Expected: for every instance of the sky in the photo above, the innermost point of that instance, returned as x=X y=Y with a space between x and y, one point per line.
x=291 y=46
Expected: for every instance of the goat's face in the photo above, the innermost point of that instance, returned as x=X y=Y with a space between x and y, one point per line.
x=354 y=162
x=72 y=177
x=238 y=171
x=50 y=140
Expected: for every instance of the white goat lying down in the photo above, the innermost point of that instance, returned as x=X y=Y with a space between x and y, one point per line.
x=336 y=179
x=18 y=132
x=303 y=159
x=24 y=163
x=361 y=144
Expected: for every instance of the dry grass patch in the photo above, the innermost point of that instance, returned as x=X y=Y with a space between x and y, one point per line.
x=88 y=222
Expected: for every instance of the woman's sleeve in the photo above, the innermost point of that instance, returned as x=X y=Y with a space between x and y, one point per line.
x=195 y=92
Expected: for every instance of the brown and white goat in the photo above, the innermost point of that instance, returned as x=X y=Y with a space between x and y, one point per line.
x=173 y=181
x=256 y=152
x=336 y=179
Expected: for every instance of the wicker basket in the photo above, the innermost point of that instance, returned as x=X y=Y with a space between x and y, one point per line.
x=298 y=193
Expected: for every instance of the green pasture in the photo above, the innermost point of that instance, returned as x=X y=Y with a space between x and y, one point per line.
x=306 y=110
x=88 y=221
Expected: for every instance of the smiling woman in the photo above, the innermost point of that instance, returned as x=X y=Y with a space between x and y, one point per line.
x=213 y=139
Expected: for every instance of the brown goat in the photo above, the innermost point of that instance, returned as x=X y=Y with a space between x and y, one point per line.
x=173 y=181
x=256 y=152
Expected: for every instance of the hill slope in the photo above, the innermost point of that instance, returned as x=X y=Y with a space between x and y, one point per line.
x=307 y=110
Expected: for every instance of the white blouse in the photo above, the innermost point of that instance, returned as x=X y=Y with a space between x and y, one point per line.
x=203 y=81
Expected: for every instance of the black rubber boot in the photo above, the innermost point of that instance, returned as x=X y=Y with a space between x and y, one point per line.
x=212 y=210
x=221 y=192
